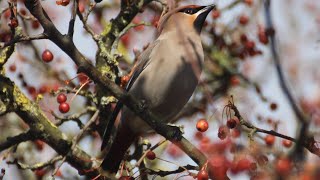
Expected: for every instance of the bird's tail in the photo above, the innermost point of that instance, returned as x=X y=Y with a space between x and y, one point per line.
x=119 y=147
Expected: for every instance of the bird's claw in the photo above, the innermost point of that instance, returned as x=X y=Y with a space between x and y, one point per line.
x=175 y=132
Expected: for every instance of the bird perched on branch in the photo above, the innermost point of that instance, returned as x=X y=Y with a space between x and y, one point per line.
x=165 y=77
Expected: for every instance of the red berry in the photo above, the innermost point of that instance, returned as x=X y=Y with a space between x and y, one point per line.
x=35 y=24
x=151 y=155
x=32 y=90
x=231 y=123
x=124 y=80
x=39 y=144
x=155 y=21
x=7 y=13
x=248 y=2
x=64 y=107
x=40 y=172
x=244 y=164
x=249 y=44
x=243 y=38
x=235 y=133
x=243 y=19
x=202 y=125
x=81 y=6
x=263 y=38
x=58 y=173
x=283 y=166
x=234 y=80
x=43 y=89
x=215 y=14
x=125 y=39
x=61 y=98
x=23 y=12
x=126 y=178
x=47 y=56
x=13 y=23
x=198 y=135
x=202 y=175
x=63 y=2
x=223 y=132
x=273 y=106
x=12 y=67
x=269 y=139
x=286 y=143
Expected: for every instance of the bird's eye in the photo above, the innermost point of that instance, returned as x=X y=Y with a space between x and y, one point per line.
x=189 y=11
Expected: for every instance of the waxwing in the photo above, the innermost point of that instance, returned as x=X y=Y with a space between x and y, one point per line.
x=164 y=78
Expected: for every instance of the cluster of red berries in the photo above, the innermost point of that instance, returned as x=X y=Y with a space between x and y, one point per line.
x=270 y=140
x=63 y=105
x=225 y=129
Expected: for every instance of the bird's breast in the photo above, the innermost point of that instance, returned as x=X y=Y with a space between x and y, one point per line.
x=170 y=78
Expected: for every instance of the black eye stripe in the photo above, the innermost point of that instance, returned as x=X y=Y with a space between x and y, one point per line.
x=191 y=10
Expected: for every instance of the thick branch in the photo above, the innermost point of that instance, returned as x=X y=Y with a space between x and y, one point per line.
x=32 y=114
x=129 y=9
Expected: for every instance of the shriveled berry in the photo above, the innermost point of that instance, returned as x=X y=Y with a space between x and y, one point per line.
x=223 y=132
x=231 y=123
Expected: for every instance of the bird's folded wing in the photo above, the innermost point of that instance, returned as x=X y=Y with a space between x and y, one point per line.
x=143 y=61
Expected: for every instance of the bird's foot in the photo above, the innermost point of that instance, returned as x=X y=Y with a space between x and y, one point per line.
x=174 y=132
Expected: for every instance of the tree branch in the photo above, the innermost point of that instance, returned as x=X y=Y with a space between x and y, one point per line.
x=304 y=121
x=32 y=114
x=15 y=140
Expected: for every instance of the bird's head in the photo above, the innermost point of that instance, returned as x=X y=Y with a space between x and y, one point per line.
x=191 y=16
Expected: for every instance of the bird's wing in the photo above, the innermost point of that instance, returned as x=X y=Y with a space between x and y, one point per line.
x=144 y=60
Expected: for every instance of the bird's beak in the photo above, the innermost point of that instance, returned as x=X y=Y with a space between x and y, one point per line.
x=205 y=10
x=201 y=16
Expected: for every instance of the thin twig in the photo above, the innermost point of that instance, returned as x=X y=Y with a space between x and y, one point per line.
x=36 y=166
x=15 y=140
x=25 y=38
x=73 y=18
x=77 y=138
x=302 y=119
